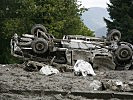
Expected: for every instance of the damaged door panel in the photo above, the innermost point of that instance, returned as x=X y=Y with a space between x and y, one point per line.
x=41 y=46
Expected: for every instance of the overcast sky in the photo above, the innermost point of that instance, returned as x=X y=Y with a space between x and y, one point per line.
x=94 y=3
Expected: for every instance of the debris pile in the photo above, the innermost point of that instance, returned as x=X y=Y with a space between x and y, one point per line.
x=17 y=83
x=116 y=85
x=84 y=68
x=75 y=66
x=48 y=70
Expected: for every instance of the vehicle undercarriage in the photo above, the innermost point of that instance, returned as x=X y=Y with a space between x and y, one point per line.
x=43 y=47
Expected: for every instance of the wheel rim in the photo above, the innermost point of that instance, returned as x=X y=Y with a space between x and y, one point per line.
x=40 y=46
x=124 y=53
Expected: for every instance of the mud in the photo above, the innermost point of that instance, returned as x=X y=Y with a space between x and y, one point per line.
x=18 y=84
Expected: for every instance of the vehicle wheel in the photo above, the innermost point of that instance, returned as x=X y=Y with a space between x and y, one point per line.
x=39 y=46
x=114 y=35
x=36 y=27
x=123 y=53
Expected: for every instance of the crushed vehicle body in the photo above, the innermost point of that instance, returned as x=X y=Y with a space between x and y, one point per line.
x=40 y=46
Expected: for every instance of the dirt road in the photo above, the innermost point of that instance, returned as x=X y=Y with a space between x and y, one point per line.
x=18 y=84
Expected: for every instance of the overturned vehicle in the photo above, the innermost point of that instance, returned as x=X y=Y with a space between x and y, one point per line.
x=40 y=46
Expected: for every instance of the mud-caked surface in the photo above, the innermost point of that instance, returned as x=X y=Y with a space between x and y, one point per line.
x=18 y=84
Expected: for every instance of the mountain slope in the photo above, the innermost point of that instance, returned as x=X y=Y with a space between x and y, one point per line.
x=101 y=32
x=93 y=19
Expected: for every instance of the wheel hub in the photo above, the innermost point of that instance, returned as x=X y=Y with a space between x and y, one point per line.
x=124 y=53
x=39 y=46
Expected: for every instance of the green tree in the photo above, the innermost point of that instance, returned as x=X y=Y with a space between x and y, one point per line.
x=121 y=18
x=60 y=17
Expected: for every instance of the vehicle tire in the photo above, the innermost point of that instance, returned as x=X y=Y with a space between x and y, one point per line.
x=114 y=35
x=123 y=53
x=39 y=46
x=36 y=27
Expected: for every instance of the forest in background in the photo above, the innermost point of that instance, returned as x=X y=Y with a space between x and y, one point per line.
x=60 y=17
x=121 y=15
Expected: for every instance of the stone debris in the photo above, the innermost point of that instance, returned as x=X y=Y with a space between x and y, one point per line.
x=33 y=66
x=96 y=85
x=116 y=85
x=63 y=86
x=3 y=65
x=48 y=70
x=130 y=83
x=84 y=68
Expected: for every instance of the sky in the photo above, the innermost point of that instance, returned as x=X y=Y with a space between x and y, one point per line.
x=94 y=3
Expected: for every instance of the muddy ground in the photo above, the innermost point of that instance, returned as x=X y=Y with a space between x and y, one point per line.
x=18 y=84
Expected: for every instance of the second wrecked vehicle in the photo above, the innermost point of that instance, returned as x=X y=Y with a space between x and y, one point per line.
x=100 y=52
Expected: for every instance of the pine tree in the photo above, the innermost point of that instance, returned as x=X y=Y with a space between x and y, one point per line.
x=121 y=14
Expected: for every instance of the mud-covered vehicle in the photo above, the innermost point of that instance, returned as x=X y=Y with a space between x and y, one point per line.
x=106 y=52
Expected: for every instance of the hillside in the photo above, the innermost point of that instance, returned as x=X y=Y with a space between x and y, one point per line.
x=93 y=19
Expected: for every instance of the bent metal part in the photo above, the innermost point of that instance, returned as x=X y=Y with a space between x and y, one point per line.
x=43 y=47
